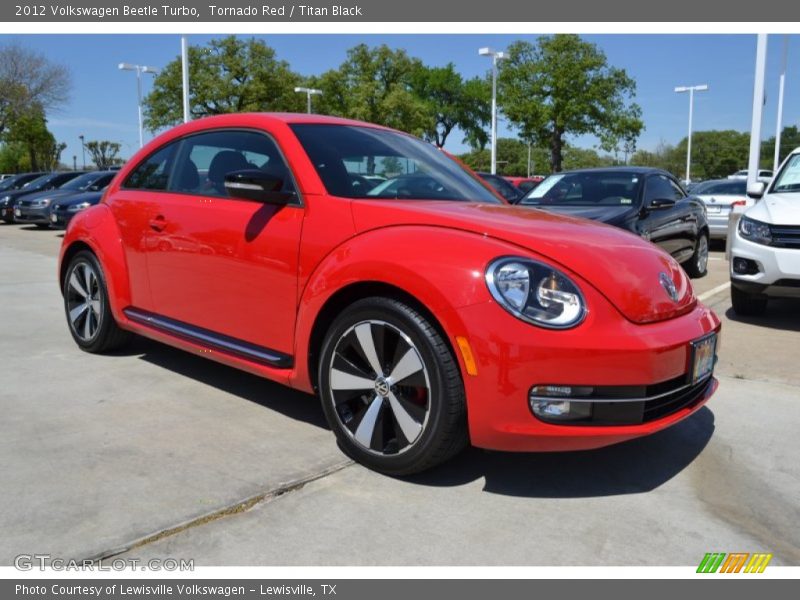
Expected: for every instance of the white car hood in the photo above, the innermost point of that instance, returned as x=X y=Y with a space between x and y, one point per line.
x=777 y=209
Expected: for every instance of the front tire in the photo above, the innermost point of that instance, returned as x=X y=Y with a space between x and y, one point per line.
x=391 y=389
x=697 y=265
x=87 y=308
x=747 y=305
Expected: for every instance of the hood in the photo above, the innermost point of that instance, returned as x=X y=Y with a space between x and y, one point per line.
x=613 y=215
x=90 y=197
x=777 y=209
x=620 y=265
x=28 y=199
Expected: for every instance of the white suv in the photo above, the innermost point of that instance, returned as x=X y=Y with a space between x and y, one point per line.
x=765 y=250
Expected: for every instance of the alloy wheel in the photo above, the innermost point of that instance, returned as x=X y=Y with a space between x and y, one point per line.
x=702 y=254
x=84 y=300
x=379 y=387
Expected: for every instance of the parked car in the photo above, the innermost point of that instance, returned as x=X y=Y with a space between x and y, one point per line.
x=48 y=181
x=763 y=174
x=765 y=250
x=503 y=187
x=10 y=184
x=648 y=202
x=423 y=319
x=526 y=184
x=64 y=209
x=720 y=197
x=35 y=208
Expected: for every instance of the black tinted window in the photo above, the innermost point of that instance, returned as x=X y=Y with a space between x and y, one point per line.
x=153 y=172
x=586 y=188
x=206 y=159
x=662 y=188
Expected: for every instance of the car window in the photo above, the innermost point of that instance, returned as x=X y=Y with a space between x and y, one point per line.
x=205 y=159
x=81 y=182
x=504 y=188
x=788 y=179
x=153 y=172
x=660 y=187
x=346 y=157
x=586 y=188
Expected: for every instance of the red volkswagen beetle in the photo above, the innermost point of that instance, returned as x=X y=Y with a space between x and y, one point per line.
x=424 y=311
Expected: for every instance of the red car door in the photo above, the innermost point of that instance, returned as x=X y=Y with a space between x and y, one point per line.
x=225 y=269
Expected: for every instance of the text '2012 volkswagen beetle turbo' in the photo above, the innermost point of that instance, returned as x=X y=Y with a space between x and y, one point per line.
x=424 y=311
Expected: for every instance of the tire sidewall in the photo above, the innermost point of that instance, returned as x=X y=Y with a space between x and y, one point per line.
x=106 y=318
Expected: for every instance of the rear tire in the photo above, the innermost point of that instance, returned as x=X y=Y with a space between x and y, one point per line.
x=697 y=265
x=87 y=308
x=746 y=304
x=391 y=389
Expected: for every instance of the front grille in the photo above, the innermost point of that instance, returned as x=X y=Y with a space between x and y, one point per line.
x=674 y=401
x=785 y=236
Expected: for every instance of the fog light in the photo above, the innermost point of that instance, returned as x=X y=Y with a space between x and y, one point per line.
x=560 y=408
x=744 y=266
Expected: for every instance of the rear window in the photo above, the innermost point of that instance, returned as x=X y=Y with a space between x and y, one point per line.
x=601 y=188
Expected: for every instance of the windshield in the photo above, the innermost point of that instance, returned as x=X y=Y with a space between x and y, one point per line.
x=40 y=181
x=9 y=182
x=788 y=179
x=588 y=188
x=82 y=182
x=729 y=187
x=347 y=159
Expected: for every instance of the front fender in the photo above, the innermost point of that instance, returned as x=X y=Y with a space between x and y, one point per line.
x=96 y=228
x=442 y=268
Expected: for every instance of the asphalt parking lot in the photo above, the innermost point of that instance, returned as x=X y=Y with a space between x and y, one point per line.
x=157 y=453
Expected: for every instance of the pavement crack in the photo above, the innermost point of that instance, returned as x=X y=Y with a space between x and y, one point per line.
x=220 y=513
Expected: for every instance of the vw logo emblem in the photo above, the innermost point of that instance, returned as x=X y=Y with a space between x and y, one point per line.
x=382 y=387
x=668 y=286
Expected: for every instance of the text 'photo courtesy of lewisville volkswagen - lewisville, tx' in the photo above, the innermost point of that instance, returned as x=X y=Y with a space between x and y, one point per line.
x=394 y=300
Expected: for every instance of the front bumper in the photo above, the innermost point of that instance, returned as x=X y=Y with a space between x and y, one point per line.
x=32 y=214
x=605 y=350
x=778 y=269
x=60 y=219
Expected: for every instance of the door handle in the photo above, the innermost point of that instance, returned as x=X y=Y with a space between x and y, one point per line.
x=158 y=223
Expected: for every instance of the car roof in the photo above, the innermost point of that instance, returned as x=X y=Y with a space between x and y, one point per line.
x=640 y=170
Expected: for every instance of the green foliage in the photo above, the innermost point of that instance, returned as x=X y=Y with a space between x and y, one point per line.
x=790 y=139
x=28 y=138
x=228 y=75
x=104 y=153
x=563 y=86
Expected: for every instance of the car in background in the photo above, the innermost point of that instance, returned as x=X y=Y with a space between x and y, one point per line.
x=430 y=315
x=720 y=197
x=35 y=208
x=48 y=181
x=64 y=209
x=10 y=184
x=526 y=184
x=646 y=201
x=508 y=191
x=763 y=174
x=765 y=249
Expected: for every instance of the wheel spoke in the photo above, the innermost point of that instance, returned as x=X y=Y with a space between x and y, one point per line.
x=408 y=365
x=76 y=285
x=87 y=279
x=364 y=335
x=410 y=428
x=366 y=428
x=95 y=307
x=345 y=381
x=76 y=312
x=87 y=324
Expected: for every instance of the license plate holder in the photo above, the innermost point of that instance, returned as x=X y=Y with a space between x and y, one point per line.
x=704 y=356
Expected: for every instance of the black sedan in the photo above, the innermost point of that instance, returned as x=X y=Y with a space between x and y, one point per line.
x=48 y=181
x=35 y=208
x=12 y=184
x=65 y=208
x=645 y=201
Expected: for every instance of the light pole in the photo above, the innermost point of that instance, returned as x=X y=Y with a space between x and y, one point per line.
x=83 y=149
x=139 y=70
x=754 y=161
x=777 y=161
x=496 y=56
x=185 y=76
x=308 y=92
x=691 y=89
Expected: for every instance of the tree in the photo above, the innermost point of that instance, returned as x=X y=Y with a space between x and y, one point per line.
x=374 y=85
x=564 y=86
x=452 y=103
x=29 y=136
x=28 y=79
x=790 y=139
x=228 y=75
x=104 y=153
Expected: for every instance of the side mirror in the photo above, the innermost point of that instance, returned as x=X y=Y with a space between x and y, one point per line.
x=756 y=189
x=257 y=186
x=661 y=203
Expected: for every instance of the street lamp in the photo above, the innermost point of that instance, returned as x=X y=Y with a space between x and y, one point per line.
x=308 y=92
x=496 y=56
x=691 y=89
x=83 y=149
x=139 y=70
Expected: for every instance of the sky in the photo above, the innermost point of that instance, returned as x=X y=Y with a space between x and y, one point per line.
x=103 y=104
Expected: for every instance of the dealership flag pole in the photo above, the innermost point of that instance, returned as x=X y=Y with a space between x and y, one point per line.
x=185 y=76
x=758 y=107
x=777 y=162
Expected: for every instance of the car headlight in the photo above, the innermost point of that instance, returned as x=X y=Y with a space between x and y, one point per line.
x=77 y=207
x=755 y=231
x=535 y=292
x=4 y=200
